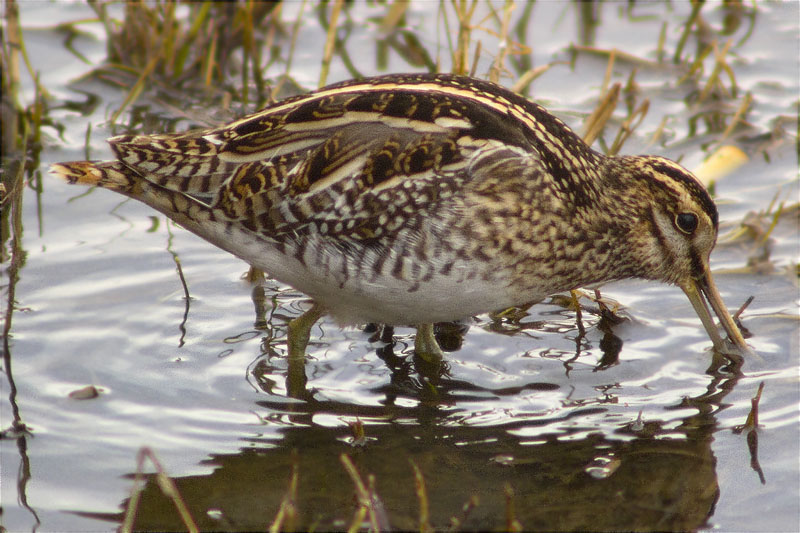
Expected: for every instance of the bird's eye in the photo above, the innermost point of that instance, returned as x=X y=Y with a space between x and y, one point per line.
x=686 y=222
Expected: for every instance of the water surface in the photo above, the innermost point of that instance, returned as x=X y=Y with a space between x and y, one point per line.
x=628 y=426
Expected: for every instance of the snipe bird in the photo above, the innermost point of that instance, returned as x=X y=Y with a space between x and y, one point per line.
x=412 y=199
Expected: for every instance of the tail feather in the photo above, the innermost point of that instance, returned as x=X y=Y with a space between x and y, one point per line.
x=188 y=211
x=121 y=177
x=106 y=174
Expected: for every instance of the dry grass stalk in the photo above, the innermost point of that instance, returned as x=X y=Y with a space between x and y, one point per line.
x=137 y=88
x=512 y=524
x=330 y=42
x=751 y=424
x=466 y=509
x=619 y=55
x=286 y=517
x=393 y=16
x=659 y=132
x=464 y=12
x=612 y=58
x=694 y=16
x=497 y=65
x=276 y=89
x=167 y=487
x=595 y=122
x=628 y=126
x=422 y=496
x=368 y=500
x=738 y=117
x=714 y=81
x=523 y=82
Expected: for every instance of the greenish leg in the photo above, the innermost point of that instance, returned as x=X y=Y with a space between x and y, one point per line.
x=297 y=339
x=300 y=331
x=425 y=344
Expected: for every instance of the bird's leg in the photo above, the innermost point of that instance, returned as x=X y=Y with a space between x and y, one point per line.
x=300 y=330
x=425 y=344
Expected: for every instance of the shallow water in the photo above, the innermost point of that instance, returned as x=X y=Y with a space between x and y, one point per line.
x=627 y=428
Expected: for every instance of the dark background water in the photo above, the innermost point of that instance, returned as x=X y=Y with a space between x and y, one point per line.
x=532 y=406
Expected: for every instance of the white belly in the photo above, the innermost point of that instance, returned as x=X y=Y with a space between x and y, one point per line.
x=418 y=294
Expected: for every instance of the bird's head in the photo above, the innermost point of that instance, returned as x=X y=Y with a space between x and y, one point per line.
x=673 y=228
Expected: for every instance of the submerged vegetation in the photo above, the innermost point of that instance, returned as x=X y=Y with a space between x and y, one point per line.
x=172 y=62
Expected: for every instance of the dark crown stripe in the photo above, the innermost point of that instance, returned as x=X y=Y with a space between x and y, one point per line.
x=695 y=189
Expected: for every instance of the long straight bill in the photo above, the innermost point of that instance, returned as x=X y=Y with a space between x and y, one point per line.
x=702 y=292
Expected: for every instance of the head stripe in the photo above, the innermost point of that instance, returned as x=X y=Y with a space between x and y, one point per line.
x=695 y=189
